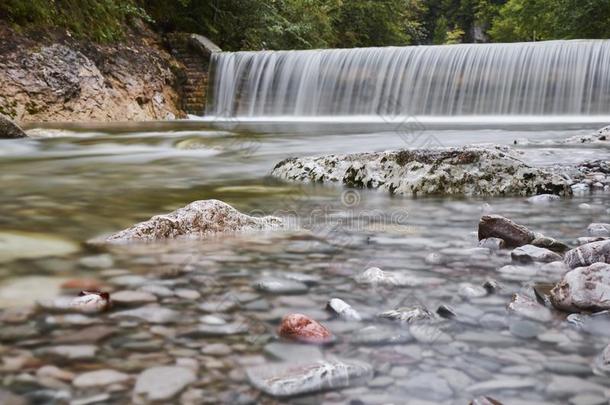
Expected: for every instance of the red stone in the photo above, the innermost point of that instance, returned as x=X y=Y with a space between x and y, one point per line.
x=80 y=284
x=302 y=328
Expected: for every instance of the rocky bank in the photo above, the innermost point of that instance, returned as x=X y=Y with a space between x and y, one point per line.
x=57 y=78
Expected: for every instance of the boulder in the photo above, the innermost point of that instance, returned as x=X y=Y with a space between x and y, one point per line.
x=585 y=255
x=10 y=130
x=199 y=219
x=497 y=226
x=302 y=328
x=531 y=253
x=472 y=171
x=598 y=230
x=290 y=378
x=583 y=289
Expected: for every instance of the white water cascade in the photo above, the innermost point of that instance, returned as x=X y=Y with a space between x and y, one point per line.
x=555 y=78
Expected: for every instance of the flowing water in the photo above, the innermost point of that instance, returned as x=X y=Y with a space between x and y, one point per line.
x=555 y=78
x=59 y=191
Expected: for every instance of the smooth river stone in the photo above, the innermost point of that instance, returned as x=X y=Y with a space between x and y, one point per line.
x=27 y=291
x=407 y=314
x=301 y=328
x=100 y=378
x=132 y=298
x=502 y=384
x=26 y=245
x=276 y=285
x=531 y=253
x=343 y=310
x=289 y=379
x=381 y=335
x=376 y=276
x=151 y=314
x=543 y=199
x=293 y=352
x=161 y=383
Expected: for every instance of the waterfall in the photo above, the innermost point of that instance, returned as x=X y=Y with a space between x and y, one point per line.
x=532 y=79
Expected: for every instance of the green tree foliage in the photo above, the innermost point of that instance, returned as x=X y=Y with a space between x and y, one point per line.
x=306 y=24
x=379 y=22
x=100 y=20
x=527 y=20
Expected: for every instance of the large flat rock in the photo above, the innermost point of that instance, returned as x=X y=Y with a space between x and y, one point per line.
x=199 y=219
x=471 y=171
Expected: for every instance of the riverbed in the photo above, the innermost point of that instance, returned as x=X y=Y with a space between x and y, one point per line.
x=65 y=186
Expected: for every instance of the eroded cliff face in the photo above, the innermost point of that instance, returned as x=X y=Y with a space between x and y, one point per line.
x=59 y=79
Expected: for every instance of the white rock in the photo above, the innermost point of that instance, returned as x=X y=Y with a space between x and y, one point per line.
x=376 y=276
x=26 y=245
x=28 y=290
x=129 y=297
x=162 y=383
x=343 y=310
x=151 y=314
x=55 y=373
x=100 y=378
x=199 y=219
x=467 y=290
x=543 y=199
x=72 y=352
x=531 y=253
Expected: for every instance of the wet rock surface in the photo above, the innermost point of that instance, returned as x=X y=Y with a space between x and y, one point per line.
x=584 y=289
x=343 y=310
x=199 y=219
x=468 y=171
x=70 y=81
x=10 y=130
x=199 y=307
x=587 y=254
x=497 y=226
